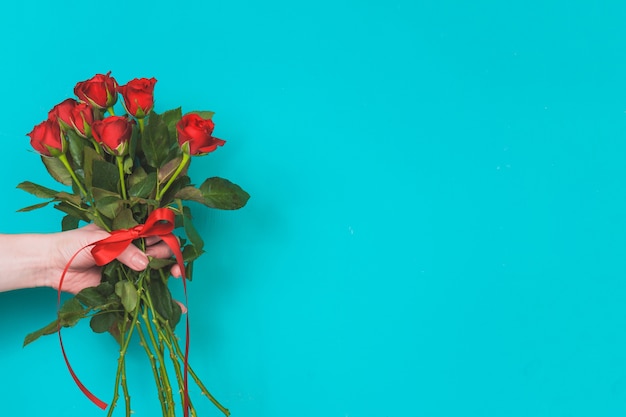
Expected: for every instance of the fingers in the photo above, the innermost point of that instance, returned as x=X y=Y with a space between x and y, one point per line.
x=175 y=271
x=159 y=250
x=134 y=258
x=183 y=308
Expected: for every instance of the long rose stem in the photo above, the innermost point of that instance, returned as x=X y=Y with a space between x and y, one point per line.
x=182 y=164
x=155 y=372
x=195 y=377
x=163 y=370
x=121 y=359
x=120 y=168
x=66 y=164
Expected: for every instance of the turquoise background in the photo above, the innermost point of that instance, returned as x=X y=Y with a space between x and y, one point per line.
x=437 y=218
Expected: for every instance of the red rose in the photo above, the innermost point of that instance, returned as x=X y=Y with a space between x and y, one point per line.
x=99 y=91
x=46 y=138
x=138 y=96
x=113 y=133
x=81 y=119
x=196 y=133
x=62 y=112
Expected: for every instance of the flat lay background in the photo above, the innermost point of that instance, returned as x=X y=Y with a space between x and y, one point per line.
x=438 y=216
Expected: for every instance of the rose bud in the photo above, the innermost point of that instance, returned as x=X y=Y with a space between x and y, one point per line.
x=138 y=95
x=81 y=119
x=99 y=91
x=113 y=133
x=195 y=135
x=62 y=112
x=46 y=138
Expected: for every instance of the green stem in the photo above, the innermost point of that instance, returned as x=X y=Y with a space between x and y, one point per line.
x=96 y=145
x=180 y=167
x=66 y=164
x=176 y=362
x=120 y=168
x=155 y=372
x=205 y=391
x=121 y=359
x=111 y=111
x=125 y=391
x=140 y=121
x=157 y=349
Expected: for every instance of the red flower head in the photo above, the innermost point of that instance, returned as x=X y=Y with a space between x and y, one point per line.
x=113 y=133
x=99 y=91
x=195 y=135
x=46 y=138
x=81 y=119
x=138 y=95
x=62 y=112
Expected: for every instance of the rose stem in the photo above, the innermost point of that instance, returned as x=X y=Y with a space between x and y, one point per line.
x=66 y=164
x=121 y=359
x=205 y=391
x=182 y=164
x=140 y=121
x=120 y=167
x=176 y=363
x=125 y=390
x=153 y=364
x=173 y=357
x=164 y=377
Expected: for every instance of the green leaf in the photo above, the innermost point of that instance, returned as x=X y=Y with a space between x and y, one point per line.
x=106 y=288
x=34 y=207
x=192 y=233
x=91 y=297
x=37 y=190
x=102 y=321
x=137 y=176
x=69 y=198
x=145 y=187
x=162 y=300
x=128 y=294
x=105 y=176
x=124 y=220
x=69 y=222
x=222 y=194
x=159 y=263
x=206 y=115
x=155 y=141
x=57 y=170
x=168 y=169
x=90 y=155
x=46 y=330
x=190 y=253
x=180 y=182
x=128 y=165
x=170 y=118
x=77 y=146
x=189 y=270
x=71 y=312
x=72 y=211
x=190 y=193
x=107 y=202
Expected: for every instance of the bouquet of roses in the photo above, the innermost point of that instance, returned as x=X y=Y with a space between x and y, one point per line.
x=128 y=175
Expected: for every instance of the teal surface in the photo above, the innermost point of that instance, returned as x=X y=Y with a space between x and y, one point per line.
x=437 y=224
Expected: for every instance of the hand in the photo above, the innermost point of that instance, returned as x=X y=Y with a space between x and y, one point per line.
x=83 y=271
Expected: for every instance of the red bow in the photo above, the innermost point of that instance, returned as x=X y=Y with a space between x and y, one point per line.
x=159 y=223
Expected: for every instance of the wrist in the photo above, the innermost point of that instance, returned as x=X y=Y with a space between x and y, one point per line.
x=25 y=261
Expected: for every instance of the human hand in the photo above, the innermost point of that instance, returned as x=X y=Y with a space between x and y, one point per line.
x=83 y=271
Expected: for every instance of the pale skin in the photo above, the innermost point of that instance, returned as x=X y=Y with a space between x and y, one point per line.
x=38 y=260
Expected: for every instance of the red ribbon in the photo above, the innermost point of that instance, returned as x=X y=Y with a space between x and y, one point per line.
x=159 y=223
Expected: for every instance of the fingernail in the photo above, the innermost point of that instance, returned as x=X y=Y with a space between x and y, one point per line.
x=140 y=261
